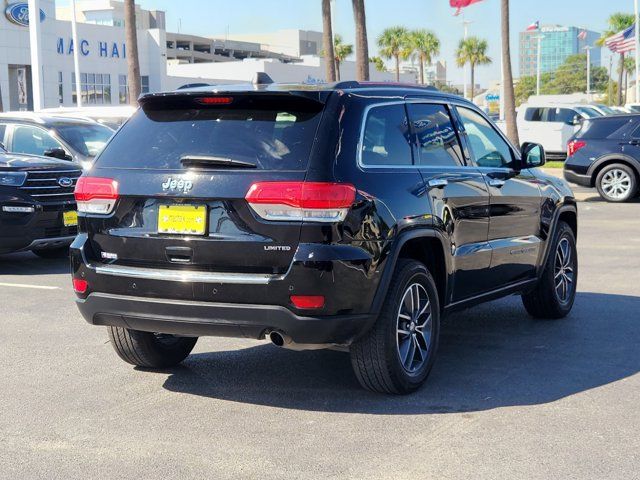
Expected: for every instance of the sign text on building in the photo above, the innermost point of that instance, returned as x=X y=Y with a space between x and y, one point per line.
x=105 y=49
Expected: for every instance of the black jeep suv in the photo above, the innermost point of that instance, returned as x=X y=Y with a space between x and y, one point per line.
x=349 y=216
x=37 y=208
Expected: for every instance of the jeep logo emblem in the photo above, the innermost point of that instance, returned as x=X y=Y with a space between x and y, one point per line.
x=180 y=185
x=65 y=182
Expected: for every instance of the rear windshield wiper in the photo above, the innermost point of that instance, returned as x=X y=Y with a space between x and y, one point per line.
x=195 y=160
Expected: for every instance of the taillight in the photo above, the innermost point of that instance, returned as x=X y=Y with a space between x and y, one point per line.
x=296 y=201
x=574 y=145
x=80 y=285
x=307 y=302
x=96 y=195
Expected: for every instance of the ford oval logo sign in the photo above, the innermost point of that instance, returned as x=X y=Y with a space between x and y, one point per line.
x=65 y=182
x=18 y=13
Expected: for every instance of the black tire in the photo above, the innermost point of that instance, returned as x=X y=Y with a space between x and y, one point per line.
x=545 y=301
x=376 y=357
x=150 y=350
x=62 y=252
x=610 y=170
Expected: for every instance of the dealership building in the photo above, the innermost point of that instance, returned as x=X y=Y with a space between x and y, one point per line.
x=167 y=60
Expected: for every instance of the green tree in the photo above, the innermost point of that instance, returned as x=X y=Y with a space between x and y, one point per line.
x=629 y=67
x=394 y=43
x=571 y=77
x=379 y=63
x=424 y=45
x=473 y=51
x=617 y=22
x=341 y=51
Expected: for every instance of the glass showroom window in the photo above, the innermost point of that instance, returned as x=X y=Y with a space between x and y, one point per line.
x=144 y=84
x=95 y=88
x=123 y=89
x=60 y=89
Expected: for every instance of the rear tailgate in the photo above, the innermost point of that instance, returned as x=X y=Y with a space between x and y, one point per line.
x=180 y=196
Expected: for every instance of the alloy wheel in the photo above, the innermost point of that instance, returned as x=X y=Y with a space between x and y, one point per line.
x=414 y=328
x=564 y=271
x=616 y=183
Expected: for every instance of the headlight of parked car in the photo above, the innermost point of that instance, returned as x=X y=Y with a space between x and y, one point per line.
x=12 y=179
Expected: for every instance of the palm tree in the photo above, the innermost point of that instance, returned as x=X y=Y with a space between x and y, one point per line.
x=629 y=65
x=473 y=51
x=131 y=42
x=340 y=53
x=362 y=42
x=327 y=41
x=425 y=45
x=507 y=78
x=617 y=23
x=379 y=63
x=394 y=43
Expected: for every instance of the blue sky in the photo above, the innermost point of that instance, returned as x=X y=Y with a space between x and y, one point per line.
x=213 y=17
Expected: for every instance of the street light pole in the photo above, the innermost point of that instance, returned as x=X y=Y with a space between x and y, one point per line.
x=76 y=53
x=35 y=43
x=465 y=24
x=637 y=36
x=538 y=62
x=588 y=49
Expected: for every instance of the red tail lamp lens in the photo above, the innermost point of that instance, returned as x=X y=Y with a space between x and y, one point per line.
x=80 y=285
x=574 y=146
x=306 y=302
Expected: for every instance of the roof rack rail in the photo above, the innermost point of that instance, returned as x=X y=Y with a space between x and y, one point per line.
x=355 y=84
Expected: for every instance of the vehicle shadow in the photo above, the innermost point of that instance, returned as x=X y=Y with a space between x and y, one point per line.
x=490 y=356
x=27 y=263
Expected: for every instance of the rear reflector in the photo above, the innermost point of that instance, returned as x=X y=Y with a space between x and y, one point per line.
x=96 y=195
x=215 y=100
x=574 y=145
x=305 y=302
x=80 y=285
x=296 y=201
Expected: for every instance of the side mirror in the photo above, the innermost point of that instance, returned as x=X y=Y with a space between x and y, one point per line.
x=57 y=153
x=532 y=155
x=577 y=120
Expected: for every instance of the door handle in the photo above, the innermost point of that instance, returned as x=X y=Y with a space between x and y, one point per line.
x=634 y=142
x=438 y=182
x=496 y=182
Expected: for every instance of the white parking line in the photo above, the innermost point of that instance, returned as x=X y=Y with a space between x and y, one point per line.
x=24 y=285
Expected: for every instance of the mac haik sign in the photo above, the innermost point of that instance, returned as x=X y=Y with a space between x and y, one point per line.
x=18 y=13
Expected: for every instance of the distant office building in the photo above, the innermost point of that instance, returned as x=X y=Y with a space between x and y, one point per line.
x=434 y=73
x=557 y=44
x=293 y=43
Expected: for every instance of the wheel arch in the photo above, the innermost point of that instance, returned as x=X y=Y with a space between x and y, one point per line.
x=428 y=246
x=568 y=213
x=601 y=163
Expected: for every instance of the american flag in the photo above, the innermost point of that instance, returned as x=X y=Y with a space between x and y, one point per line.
x=622 y=42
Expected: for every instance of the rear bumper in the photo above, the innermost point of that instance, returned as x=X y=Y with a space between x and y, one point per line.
x=191 y=318
x=573 y=177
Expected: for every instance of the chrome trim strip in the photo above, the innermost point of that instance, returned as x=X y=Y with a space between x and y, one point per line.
x=186 y=275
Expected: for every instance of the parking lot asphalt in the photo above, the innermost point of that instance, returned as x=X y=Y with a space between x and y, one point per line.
x=509 y=397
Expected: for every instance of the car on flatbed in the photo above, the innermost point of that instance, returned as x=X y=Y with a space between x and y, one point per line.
x=350 y=216
x=37 y=207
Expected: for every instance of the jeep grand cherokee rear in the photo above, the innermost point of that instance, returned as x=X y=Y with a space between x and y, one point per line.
x=341 y=216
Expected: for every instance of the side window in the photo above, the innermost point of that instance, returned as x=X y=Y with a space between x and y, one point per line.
x=533 y=115
x=435 y=136
x=565 y=115
x=32 y=140
x=488 y=147
x=386 y=137
x=3 y=129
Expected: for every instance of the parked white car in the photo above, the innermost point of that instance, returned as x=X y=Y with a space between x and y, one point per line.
x=551 y=125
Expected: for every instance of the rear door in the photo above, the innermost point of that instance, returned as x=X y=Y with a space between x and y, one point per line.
x=457 y=193
x=183 y=167
x=515 y=201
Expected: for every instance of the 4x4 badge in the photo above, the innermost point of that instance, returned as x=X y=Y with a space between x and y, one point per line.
x=177 y=184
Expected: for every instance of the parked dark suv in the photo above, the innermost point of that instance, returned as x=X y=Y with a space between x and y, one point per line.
x=350 y=216
x=605 y=154
x=37 y=208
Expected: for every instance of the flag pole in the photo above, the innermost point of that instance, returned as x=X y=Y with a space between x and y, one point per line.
x=539 y=61
x=637 y=45
x=588 y=49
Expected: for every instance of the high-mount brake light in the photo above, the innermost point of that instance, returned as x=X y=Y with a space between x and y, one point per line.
x=214 y=100
x=301 y=201
x=574 y=145
x=96 y=195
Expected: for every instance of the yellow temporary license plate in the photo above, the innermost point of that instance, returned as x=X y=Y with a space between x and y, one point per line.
x=182 y=219
x=70 y=219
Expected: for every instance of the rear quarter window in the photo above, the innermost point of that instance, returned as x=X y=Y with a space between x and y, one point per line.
x=603 y=128
x=272 y=133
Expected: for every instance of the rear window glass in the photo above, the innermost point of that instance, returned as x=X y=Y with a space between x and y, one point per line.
x=603 y=128
x=273 y=133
